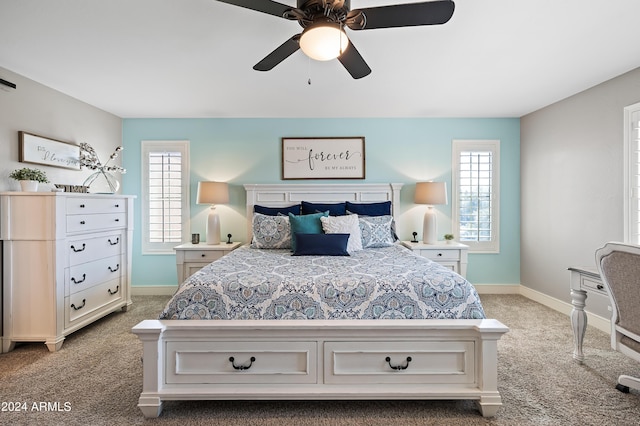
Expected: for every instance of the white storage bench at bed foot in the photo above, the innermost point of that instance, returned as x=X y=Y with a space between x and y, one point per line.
x=317 y=359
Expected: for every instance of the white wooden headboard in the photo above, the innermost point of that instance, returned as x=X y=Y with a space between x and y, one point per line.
x=283 y=195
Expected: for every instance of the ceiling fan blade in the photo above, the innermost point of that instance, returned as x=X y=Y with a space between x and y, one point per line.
x=264 y=6
x=281 y=53
x=401 y=15
x=354 y=62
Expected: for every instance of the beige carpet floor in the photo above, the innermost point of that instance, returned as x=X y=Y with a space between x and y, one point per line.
x=96 y=380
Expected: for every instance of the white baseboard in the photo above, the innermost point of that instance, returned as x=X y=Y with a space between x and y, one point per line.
x=601 y=323
x=153 y=290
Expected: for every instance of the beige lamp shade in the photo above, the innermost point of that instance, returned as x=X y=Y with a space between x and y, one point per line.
x=431 y=193
x=213 y=193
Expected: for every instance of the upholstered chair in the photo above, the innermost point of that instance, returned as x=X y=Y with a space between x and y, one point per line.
x=619 y=266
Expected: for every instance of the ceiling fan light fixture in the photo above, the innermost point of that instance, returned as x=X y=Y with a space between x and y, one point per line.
x=324 y=41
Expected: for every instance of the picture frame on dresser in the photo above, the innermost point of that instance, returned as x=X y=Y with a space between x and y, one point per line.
x=37 y=149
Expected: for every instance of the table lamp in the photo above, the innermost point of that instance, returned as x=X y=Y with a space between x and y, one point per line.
x=430 y=193
x=213 y=193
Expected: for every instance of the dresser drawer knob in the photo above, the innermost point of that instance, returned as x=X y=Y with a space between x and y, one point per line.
x=80 y=249
x=84 y=277
x=242 y=367
x=600 y=287
x=82 y=222
x=117 y=205
x=114 y=270
x=399 y=366
x=82 y=206
x=203 y=255
x=117 y=220
x=113 y=292
x=440 y=254
x=77 y=308
x=114 y=243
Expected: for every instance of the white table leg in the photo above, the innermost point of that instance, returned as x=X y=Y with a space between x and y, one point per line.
x=578 y=322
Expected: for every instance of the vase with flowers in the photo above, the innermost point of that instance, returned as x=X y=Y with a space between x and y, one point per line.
x=102 y=180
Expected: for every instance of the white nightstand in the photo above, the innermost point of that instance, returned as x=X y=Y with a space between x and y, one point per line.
x=190 y=258
x=453 y=255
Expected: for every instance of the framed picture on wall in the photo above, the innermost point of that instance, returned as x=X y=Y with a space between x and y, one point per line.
x=49 y=152
x=323 y=158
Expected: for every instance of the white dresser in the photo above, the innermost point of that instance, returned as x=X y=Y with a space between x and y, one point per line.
x=66 y=263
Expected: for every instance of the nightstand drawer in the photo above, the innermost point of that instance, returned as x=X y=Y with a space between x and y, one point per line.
x=440 y=254
x=203 y=255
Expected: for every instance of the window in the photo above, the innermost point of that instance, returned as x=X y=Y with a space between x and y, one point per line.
x=475 y=198
x=632 y=174
x=165 y=195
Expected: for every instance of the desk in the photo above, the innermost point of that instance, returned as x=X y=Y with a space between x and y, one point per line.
x=584 y=280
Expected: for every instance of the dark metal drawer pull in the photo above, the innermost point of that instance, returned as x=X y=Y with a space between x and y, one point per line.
x=113 y=292
x=84 y=302
x=84 y=277
x=82 y=206
x=242 y=367
x=439 y=254
x=112 y=243
x=117 y=205
x=117 y=220
x=114 y=270
x=600 y=287
x=80 y=249
x=82 y=222
x=203 y=255
x=399 y=366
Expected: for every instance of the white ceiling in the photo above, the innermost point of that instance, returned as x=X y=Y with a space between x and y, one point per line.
x=194 y=58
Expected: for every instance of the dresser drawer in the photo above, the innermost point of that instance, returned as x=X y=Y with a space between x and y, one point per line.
x=210 y=362
x=438 y=255
x=88 y=205
x=83 y=303
x=85 y=275
x=203 y=255
x=82 y=250
x=414 y=362
x=95 y=222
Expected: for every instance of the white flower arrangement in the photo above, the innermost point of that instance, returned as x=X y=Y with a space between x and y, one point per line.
x=90 y=160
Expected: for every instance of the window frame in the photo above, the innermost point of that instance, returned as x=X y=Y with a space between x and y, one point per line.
x=631 y=170
x=492 y=145
x=148 y=146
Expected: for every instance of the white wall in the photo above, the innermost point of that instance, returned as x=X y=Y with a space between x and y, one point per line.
x=572 y=184
x=38 y=109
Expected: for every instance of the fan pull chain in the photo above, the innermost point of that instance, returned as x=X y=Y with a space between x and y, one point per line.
x=309 y=70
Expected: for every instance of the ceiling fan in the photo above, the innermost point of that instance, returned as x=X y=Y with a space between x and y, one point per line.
x=323 y=23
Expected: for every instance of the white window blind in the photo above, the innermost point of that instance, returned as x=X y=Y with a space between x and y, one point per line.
x=475 y=194
x=165 y=195
x=632 y=174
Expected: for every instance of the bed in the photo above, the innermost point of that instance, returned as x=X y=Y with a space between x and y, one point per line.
x=273 y=322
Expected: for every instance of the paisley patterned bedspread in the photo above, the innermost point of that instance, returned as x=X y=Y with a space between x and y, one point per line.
x=375 y=283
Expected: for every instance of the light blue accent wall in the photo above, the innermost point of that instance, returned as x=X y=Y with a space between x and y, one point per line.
x=405 y=150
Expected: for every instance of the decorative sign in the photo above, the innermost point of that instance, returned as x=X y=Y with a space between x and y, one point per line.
x=323 y=158
x=50 y=152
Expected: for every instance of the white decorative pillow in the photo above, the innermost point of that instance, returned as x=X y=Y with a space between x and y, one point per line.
x=271 y=232
x=344 y=225
x=376 y=231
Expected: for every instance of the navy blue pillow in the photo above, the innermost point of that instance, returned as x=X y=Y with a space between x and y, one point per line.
x=370 y=209
x=337 y=209
x=321 y=244
x=275 y=211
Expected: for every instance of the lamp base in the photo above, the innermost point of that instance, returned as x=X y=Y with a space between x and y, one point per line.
x=429 y=233
x=213 y=227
